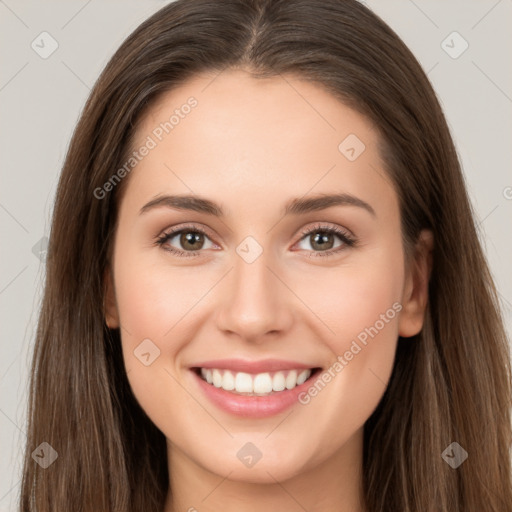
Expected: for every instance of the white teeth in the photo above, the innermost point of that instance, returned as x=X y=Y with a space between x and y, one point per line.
x=243 y=383
x=262 y=383
x=207 y=375
x=303 y=376
x=259 y=384
x=278 y=382
x=217 y=378
x=291 y=379
x=228 y=382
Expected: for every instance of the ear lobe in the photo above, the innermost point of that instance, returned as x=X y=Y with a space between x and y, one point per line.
x=415 y=296
x=109 y=301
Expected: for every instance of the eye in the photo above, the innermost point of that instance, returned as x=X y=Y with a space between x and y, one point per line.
x=191 y=238
x=323 y=239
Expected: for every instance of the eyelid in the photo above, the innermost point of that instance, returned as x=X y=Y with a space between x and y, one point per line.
x=326 y=226
x=184 y=227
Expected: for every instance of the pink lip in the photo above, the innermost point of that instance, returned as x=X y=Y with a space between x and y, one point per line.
x=241 y=365
x=251 y=406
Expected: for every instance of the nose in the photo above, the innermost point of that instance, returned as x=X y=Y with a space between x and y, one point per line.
x=255 y=302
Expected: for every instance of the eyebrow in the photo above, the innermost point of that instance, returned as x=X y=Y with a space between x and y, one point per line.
x=296 y=206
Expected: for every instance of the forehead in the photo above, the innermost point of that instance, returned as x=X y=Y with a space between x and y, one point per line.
x=230 y=135
x=242 y=103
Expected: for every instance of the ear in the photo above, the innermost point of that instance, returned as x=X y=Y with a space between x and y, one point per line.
x=415 y=294
x=109 y=302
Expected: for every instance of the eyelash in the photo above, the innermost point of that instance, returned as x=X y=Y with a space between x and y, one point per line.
x=348 y=241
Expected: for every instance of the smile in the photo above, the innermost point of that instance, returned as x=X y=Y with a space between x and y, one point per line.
x=260 y=384
x=252 y=389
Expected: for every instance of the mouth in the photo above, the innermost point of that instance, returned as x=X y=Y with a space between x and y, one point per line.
x=253 y=388
x=255 y=384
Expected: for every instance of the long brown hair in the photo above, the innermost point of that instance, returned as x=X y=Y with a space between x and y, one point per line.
x=452 y=382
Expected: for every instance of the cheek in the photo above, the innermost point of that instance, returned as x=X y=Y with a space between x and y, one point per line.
x=154 y=297
x=154 y=301
x=354 y=297
x=362 y=306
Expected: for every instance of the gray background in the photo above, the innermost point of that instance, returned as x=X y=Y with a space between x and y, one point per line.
x=40 y=101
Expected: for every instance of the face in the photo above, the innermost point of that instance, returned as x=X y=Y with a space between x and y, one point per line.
x=227 y=301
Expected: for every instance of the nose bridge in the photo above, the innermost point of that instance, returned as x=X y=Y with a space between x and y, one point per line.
x=252 y=276
x=254 y=301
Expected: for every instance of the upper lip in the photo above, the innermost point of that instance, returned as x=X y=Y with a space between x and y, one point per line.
x=247 y=366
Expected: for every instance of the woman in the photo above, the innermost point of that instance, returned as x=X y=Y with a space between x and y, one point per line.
x=198 y=349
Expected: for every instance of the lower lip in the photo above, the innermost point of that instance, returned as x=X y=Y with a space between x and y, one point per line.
x=251 y=406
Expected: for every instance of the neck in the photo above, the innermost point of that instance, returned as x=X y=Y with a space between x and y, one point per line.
x=334 y=485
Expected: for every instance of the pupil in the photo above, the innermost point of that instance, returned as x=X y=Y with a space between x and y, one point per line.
x=189 y=238
x=321 y=239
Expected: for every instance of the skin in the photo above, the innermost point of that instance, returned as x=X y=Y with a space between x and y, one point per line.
x=251 y=145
